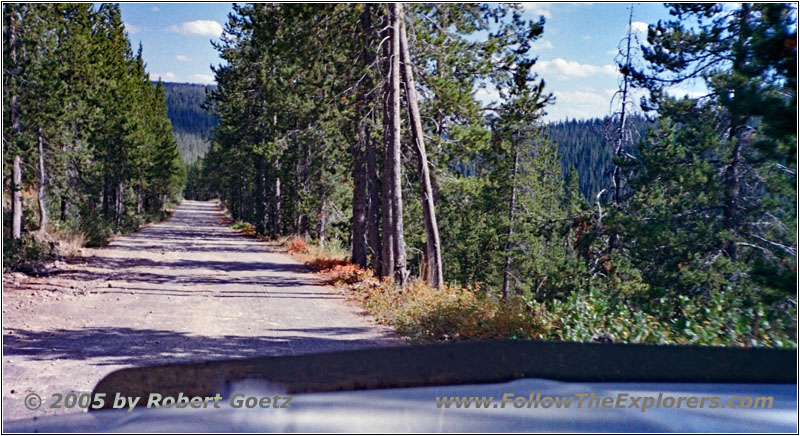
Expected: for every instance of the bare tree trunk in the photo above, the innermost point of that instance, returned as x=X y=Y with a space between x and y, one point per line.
x=433 y=251
x=373 y=184
x=64 y=207
x=622 y=128
x=40 y=191
x=322 y=225
x=397 y=181
x=305 y=219
x=232 y=204
x=16 y=230
x=360 y=199
x=16 y=187
x=387 y=211
x=512 y=205
x=373 y=207
x=106 y=197
x=140 y=197
x=359 y=225
x=119 y=203
x=261 y=188
x=276 y=205
x=242 y=191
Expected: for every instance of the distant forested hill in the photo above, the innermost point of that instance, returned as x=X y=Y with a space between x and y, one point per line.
x=191 y=123
x=581 y=145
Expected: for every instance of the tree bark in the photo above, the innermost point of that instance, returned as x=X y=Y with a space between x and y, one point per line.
x=322 y=225
x=119 y=203
x=360 y=198
x=16 y=187
x=261 y=188
x=621 y=130
x=16 y=231
x=387 y=222
x=359 y=224
x=64 y=207
x=394 y=119
x=373 y=207
x=276 y=205
x=40 y=191
x=433 y=252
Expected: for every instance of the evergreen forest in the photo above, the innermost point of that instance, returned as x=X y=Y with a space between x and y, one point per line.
x=356 y=128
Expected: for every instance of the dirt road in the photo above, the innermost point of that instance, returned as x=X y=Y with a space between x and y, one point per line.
x=189 y=288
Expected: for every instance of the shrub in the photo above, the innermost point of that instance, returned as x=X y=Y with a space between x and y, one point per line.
x=97 y=231
x=296 y=245
x=325 y=264
x=348 y=274
x=245 y=227
x=27 y=254
x=424 y=313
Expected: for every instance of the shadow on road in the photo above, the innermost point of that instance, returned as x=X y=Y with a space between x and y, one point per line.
x=121 y=346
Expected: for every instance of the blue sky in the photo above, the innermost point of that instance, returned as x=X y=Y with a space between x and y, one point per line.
x=576 y=53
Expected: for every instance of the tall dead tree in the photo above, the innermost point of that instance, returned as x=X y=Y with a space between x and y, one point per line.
x=262 y=217
x=622 y=135
x=359 y=152
x=40 y=191
x=276 y=204
x=616 y=130
x=16 y=128
x=433 y=251
x=360 y=199
x=16 y=230
x=398 y=239
x=387 y=211
x=373 y=207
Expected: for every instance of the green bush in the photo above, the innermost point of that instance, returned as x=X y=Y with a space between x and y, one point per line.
x=27 y=254
x=97 y=231
x=718 y=319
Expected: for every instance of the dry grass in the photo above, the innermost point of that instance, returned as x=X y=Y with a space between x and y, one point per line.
x=296 y=245
x=246 y=228
x=426 y=314
x=419 y=311
x=70 y=244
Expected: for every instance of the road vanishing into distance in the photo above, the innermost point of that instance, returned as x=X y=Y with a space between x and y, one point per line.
x=187 y=289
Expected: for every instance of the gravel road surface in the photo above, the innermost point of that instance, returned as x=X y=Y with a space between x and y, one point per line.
x=187 y=289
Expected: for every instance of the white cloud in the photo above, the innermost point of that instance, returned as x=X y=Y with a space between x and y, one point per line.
x=678 y=92
x=584 y=97
x=538 y=9
x=182 y=58
x=587 y=37
x=578 y=104
x=541 y=44
x=487 y=96
x=573 y=69
x=169 y=76
x=199 y=27
x=131 y=29
x=205 y=79
x=639 y=26
x=155 y=9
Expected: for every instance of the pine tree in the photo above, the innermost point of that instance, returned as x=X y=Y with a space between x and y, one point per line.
x=84 y=122
x=718 y=175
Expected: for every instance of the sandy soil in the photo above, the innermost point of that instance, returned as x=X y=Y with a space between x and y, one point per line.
x=186 y=289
